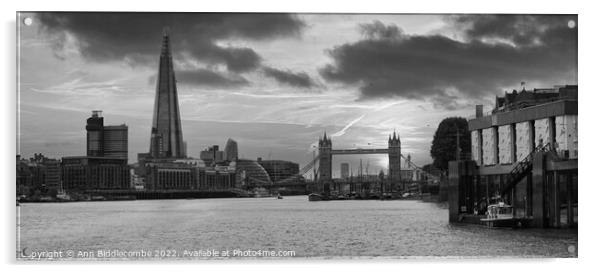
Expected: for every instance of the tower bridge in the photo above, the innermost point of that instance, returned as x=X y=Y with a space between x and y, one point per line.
x=323 y=181
x=326 y=153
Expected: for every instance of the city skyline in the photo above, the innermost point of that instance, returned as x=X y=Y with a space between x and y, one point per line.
x=242 y=83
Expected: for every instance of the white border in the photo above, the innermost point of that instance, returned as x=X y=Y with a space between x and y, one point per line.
x=590 y=98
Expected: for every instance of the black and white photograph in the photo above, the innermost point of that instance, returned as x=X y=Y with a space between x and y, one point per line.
x=194 y=136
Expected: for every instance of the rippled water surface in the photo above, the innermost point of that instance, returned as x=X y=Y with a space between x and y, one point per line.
x=310 y=229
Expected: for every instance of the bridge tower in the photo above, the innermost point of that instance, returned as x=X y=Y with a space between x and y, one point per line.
x=325 y=155
x=394 y=159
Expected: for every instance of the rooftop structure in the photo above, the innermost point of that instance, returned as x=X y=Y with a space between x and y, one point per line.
x=525 y=98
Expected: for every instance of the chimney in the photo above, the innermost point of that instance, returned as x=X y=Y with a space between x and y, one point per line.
x=523 y=86
x=479 y=111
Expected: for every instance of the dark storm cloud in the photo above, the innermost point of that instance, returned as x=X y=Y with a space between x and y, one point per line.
x=135 y=37
x=521 y=30
x=236 y=59
x=210 y=78
x=378 y=30
x=499 y=51
x=300 y=79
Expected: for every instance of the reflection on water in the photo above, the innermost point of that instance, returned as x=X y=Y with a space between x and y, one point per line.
x=325 y=229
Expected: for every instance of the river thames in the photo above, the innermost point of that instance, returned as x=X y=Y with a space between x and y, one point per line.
x=293 y=226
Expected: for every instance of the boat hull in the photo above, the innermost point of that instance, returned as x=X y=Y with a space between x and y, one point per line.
x=506 y=222
x=315 y=197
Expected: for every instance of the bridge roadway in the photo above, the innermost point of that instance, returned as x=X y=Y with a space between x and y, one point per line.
x=359 y=151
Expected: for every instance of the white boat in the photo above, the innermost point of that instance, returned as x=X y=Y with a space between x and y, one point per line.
x=502 y=215
x=261 y=192
x=63 y=196
x=500 y=210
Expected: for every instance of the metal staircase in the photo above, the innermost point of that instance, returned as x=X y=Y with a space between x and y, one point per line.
x=521 y=169
x=518 y=172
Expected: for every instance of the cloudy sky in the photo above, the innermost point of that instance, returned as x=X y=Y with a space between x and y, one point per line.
x=276 y=82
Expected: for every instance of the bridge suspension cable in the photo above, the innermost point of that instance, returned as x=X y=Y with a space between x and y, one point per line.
x=415 y=167
x=309 y=165
x=412 y=165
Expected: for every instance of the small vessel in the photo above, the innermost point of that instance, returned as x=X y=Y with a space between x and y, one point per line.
x=63 y=196
x=279 y=196
x=502 y=215
x=46 y=199
x=97 y=198
x=315 y=197
x=261 y=192
x=500 y=210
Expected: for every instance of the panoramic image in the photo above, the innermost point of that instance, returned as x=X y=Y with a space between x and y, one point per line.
x=286 y=136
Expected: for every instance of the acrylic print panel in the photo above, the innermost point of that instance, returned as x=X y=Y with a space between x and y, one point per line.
x=194 y=136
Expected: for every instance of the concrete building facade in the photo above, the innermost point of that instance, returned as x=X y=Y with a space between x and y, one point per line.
x=189 y=176
x=81 y=173
x=509 y=136
x=524 y=152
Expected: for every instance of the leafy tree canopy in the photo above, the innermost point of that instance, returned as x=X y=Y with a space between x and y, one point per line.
x=443 y=147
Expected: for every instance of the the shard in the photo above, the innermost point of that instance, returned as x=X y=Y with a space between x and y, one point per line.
x=166 y=133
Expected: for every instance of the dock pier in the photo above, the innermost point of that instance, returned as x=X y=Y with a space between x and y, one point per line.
x=544 y=190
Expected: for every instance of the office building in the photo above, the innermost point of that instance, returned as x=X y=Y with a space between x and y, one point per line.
x=105 y=141
x=345 y=170
x=212 y=155
x=81 y=173
x=166 y=132
x=189 y=175
x=231 y=150
x=250 y=172
x=38 y=173
x=115 y=141
x=279 y=169
x=94 y=134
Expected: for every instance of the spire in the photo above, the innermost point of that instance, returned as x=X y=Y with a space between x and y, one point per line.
x=166 y=137
x=165 y=48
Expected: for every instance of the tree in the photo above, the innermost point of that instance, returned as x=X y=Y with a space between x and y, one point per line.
x=443 y=147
